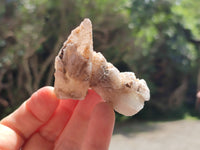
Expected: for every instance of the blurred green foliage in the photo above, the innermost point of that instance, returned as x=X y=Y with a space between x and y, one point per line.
x=157 y=39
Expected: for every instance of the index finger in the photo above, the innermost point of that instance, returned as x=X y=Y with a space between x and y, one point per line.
x=31 y=115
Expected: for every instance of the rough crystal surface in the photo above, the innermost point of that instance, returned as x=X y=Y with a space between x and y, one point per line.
x=78 y=68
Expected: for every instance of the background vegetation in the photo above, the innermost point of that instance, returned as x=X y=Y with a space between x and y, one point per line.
x=157 y=39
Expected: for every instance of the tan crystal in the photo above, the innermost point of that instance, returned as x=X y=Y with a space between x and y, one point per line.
x=78 y=68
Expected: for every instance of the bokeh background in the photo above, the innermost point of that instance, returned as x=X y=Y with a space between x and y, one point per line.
x=159 y=40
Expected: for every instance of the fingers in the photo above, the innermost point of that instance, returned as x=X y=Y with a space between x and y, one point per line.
x=37 y=142
x=48 y=133
x=74 y=133
x=44 y=113
x=52 y=129
x=9 y=140
x=43 y=103
x=100 y=128
x=31 y=114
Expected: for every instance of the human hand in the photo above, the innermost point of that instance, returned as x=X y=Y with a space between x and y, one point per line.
x=44 y=122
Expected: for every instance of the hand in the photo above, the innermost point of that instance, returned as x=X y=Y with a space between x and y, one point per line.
x=44 y=122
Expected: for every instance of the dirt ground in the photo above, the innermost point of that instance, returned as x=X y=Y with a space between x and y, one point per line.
x=170 y=135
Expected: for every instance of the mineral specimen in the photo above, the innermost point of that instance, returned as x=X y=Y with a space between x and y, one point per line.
x=78 y=68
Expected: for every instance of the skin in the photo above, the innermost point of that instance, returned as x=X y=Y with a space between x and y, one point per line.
x=44 y=122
